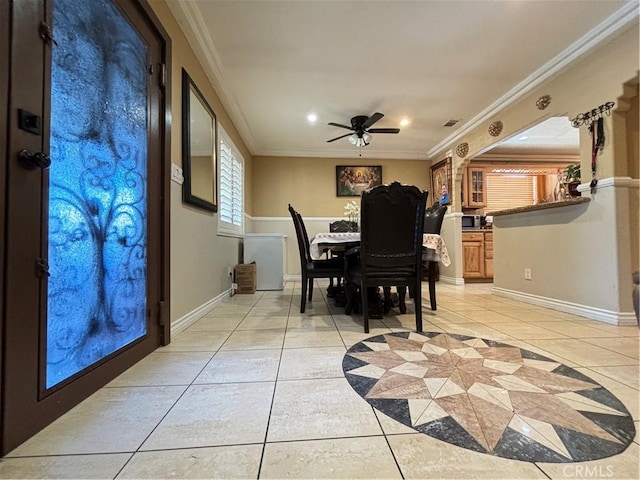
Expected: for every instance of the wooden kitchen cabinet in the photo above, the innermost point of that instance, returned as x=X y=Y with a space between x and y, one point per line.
x=475 y=187
x=477 y=248
x=488 y=254
x=473 y=248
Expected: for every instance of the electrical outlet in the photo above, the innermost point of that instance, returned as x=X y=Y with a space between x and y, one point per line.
x=230 y=271
x=176 y=174
x=527 y=274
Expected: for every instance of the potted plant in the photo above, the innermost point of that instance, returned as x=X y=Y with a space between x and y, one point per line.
x=572 y=178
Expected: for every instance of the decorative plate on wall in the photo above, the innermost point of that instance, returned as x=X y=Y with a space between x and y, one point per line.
x=495 y=128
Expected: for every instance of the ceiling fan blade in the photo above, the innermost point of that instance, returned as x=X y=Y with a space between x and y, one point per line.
x=339 y=125
x=384 y=130
x=371 y=120
x=338 y=138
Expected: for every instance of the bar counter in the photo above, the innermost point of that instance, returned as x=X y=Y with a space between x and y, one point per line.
x=541 y=206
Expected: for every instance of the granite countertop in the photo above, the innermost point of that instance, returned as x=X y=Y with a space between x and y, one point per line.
x=542 y=206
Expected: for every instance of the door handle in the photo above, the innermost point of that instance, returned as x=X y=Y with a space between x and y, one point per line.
x=31 y=161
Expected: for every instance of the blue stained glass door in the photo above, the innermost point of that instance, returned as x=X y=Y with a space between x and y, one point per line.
x=97 y=235
x=92 y=97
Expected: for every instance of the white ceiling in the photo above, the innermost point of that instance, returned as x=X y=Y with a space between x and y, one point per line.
x=274 y=62
x=553 y=132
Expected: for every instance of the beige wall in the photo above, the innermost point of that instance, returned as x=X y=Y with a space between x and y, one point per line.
x=581 y=87
x=199 y=257
x=581 y=257
x=632 y=116
x=309 y=184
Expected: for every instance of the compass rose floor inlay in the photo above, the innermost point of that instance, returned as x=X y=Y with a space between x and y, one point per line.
x=489 y=397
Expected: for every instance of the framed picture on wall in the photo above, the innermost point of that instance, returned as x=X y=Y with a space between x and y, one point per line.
x=441 y=182
x=351 y=181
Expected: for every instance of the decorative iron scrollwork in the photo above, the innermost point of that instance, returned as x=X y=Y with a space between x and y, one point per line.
x=587 y=118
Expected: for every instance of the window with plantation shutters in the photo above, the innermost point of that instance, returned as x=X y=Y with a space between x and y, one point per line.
x=509 y=191
x=231 y=191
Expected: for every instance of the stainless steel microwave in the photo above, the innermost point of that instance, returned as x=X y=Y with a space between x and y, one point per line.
x=471 y=221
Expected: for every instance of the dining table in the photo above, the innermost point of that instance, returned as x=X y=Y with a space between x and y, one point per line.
x=322 y=242
x=337 y=242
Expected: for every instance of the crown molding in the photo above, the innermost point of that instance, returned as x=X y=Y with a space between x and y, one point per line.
x=611 y=26
x=189 y=17
x=344 y=153
x=526 y=157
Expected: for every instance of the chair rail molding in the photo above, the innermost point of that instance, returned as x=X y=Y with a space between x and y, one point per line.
x=619 y=182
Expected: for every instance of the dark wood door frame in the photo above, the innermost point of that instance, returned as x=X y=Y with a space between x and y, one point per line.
x=5 y=24
x=17 y=205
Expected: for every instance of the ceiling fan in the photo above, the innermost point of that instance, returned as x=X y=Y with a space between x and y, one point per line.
x=361 y=125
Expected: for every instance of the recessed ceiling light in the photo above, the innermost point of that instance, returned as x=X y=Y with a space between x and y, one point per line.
x=312 y=117
x=523 y=137
x=404 y=122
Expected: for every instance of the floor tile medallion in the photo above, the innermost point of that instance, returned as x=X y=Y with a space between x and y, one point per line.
x=489 y=397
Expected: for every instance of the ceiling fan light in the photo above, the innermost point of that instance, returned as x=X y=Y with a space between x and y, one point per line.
x=359 y=141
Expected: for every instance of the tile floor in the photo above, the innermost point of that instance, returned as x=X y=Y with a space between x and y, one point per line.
x=256 y=390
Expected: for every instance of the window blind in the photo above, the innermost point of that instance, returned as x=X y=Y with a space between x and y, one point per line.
x=231 y=192
x=509 y=191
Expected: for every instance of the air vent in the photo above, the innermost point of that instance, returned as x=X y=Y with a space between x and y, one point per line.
x=451 y=123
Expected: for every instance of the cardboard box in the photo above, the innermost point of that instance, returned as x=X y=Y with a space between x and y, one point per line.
x=246 y=278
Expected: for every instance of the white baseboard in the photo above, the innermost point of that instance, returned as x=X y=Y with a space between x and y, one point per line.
x=593 y=313
x=452 y=280
x=193 y=316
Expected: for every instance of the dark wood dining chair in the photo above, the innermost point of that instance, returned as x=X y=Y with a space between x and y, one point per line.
x=343 y=226
x=390 y=252
x=311 y=269
x=433 y=218
x=339 y=226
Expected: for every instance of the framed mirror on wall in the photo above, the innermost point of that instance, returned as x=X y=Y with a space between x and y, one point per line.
x=199 y=140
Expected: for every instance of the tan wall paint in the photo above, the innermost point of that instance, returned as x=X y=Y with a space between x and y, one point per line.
x=272 y=183
x=580 y=256
x=634 y=227
x=633 y=151
x=632 y=118
x=581 y=87
x=199 y=257
x=309 y=184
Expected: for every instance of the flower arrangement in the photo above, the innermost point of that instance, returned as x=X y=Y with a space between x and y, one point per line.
x=352 y=211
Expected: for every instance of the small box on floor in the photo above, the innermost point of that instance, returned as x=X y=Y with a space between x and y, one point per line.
x=246 y=278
